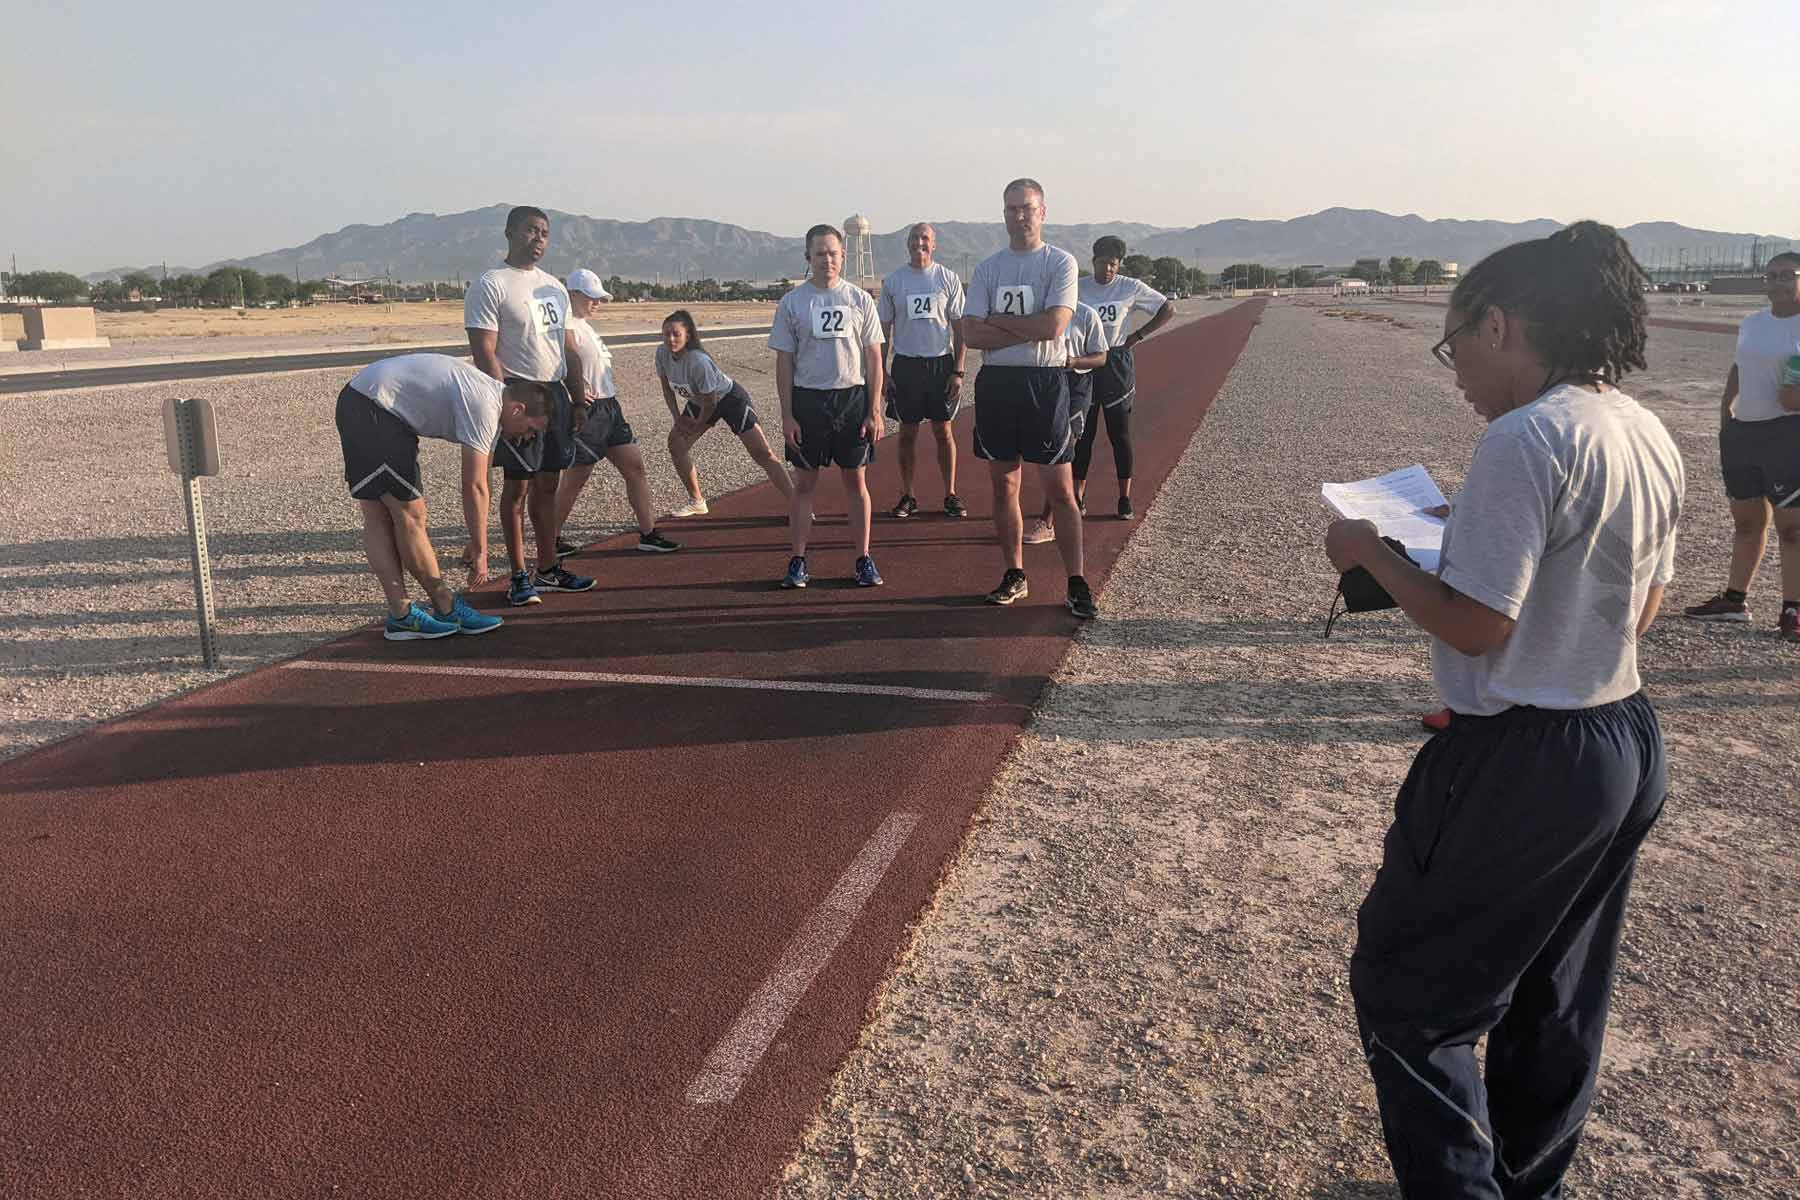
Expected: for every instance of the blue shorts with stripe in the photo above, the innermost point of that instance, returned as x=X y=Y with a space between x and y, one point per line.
x=831 y=428
x=550 y=451
x=381 y=452
x=1022 y=414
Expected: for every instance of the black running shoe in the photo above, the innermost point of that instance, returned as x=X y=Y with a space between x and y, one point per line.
x=1125 y=513
x=953 y=507
x=656 y=543
x=564 y=549
x=1081 y=599
x=1081 y=505
x=1012 y=587
x=907 y=506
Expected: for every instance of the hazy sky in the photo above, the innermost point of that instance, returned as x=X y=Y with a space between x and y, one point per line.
x=189 y=132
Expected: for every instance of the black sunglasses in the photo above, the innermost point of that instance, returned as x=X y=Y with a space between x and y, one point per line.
x=1443 y=351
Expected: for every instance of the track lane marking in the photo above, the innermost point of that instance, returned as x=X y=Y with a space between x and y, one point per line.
x=700 y=681
x=737 y=1054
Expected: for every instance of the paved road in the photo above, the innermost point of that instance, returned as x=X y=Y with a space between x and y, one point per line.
x=164 y=372
x=592 y=906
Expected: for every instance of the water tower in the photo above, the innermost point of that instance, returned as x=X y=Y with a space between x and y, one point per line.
x=859 y=255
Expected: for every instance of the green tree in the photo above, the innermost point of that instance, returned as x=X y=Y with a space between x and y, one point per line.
x=1138 y=266
x=141 y=282
x=1429 y=271
x=1400 y=269
x=107 y=291
x=279 y=288
x=1247 y=275
x=1303 y=277
x=1196 y=280
x=53 y=287
x=183 y=289
x=1167 y=274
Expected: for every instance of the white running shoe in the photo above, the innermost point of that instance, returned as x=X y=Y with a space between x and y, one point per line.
x=1040 y=533
x=693 y=508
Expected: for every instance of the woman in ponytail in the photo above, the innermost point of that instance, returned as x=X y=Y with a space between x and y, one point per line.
x=1502 y=889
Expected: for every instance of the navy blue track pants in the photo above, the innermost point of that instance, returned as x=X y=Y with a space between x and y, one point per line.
x=1497 y=911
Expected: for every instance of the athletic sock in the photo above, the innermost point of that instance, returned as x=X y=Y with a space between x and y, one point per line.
x=1735 y=596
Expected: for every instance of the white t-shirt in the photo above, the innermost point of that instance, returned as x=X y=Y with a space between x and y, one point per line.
x=828 y=331
x=529 y=310
x=1765 y=343
x=920 y=305
x=1017 y=284
x=1118 y=300
x=596 y=359
x=692 y=376
x=437 y=396
x=1085 y=335
x=1565 y=521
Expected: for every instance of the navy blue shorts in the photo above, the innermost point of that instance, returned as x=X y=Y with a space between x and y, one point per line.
x=831 y=428
x=605 y=429
x=1022 y=413
x=1761 y=460
x=1115 y=381
x=918 y=389
x=381 y=452
x=551 y=450
x=734 y=408
x=1081 y=401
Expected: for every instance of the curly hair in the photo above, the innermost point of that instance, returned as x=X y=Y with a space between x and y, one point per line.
x=1580 y=292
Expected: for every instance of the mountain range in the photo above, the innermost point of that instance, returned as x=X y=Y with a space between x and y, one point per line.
x=461 y=245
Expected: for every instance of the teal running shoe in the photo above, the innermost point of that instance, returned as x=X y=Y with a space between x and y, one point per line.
x=417 y=625
x=467 y=620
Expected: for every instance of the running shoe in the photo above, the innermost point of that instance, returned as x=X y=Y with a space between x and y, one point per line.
x=1720 y=609
x=1125 y=511
x=558 y=580
x=656 y=543
x=866 y=574
x=1788 y=627
x=1012 y=587
x=796 y=576
x=693 y=508
x=953 y=507
x=907 y=506
x=520 y=591
x=467 y=620
x=1042 y=532
x=564 y=549
x=1081 y=599
x=416 y=626
x=1081 y=505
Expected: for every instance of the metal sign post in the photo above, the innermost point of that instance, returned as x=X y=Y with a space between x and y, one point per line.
x=192 y=435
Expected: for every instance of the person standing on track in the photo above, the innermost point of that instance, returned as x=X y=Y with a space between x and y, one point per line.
x=699 y=396
x=1087 y=352
x=381 y=414
x=921 y=310
x=606 y=433
x=1759 y=451
x=517 y=319
x=1501 y=896
x=1016 y=313
x=828 y=371
x=1115 y=297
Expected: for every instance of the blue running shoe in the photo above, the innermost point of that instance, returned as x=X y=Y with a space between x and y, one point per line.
x=796 y=574
x=866 y=574
x=520 y=590
x=417 y=625
x=467 y=620
x=556 y=579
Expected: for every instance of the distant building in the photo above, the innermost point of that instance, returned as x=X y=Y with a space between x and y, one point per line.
x=1449 y=271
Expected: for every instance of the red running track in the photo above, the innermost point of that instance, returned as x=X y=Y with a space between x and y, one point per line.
x=334 y=930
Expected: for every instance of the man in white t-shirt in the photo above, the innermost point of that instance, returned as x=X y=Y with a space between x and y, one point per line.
x=1759 y=451
x=517 y=318
x=921 y=311
x=381 y=415
x=606 y=433
x=828 y=372
x=1016 y=311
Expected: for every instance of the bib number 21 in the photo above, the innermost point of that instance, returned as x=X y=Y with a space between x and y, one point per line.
x=1013 y=301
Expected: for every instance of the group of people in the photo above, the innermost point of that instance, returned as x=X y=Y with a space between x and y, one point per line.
x=538 y=401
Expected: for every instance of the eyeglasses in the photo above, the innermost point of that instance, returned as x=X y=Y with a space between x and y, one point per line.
x=1781 y=276
x=1444 y=352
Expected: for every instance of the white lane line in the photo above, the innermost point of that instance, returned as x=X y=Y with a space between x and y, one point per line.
x=824 y=930
x=701 y=681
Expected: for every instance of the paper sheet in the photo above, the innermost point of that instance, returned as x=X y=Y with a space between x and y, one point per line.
x=1395 y=502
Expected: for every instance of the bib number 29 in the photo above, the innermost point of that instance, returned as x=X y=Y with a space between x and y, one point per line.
x=1014 y=301
x=831 y=322
x=1109 y=314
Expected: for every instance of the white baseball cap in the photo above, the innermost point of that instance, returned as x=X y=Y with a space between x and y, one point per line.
x=588 y=284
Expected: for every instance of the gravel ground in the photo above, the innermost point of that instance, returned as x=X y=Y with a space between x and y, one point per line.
x=1136 y=980
x=95 y=576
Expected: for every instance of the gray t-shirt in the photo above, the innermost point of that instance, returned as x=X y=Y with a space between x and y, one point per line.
x=437 y=396
x=920 y=305
x=1565 y=521
x=693 y=375
x=1118 y=300
x=527 y=311
x=1085 y=335
x=827 y=330
x=1017 y=284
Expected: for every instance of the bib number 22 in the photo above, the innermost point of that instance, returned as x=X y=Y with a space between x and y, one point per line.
x=832 y=322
